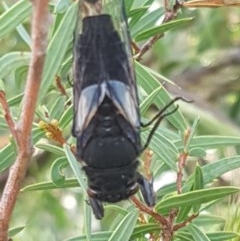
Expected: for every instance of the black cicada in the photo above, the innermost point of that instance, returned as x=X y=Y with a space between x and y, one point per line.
x=106 y=109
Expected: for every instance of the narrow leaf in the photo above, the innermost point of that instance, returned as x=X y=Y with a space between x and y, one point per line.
x=87 y=220
x=197 y=234
x=161 y=29
x=149 y=100
x=51 y=148
x=14 y=231
x=58 y=47
x=76 y=168
x=57 y=175
x=13 y=60
x=194 y=198
x=125 y=227
x=150 y=83
x=7 y=156
x=48 y=185
x=15 y=15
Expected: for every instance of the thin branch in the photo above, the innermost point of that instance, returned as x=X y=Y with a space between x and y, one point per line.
x=185 y=222
x=170 y=14
x=182 y=161
x=17 y=172
x=149 y=211
x=60 y=86
x=7 y=115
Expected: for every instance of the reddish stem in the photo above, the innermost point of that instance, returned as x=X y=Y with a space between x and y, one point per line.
x=7 y=115
x=184 y=223
x=170 y=14
x=149 y=211
x=17 y=172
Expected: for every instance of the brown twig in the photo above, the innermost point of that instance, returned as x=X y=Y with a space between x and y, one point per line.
x=60 y=86
x=7 y=115
x=159 y=218
x=24 y=127
x=166 y=226
x=181 y=165
x=181 y=162
x=147 y=164
x=184 y=223
x=170 y=14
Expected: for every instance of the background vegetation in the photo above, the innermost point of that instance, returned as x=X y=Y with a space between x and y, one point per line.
x=200 y=53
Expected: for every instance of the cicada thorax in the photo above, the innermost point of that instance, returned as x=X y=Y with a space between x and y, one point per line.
x=109 y=141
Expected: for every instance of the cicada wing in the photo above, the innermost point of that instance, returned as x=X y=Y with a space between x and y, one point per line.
x=91 y=98
x=87 y=106
x=124 y=99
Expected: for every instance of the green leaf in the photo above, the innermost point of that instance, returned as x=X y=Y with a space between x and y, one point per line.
x=76 y=168
x=48 y=185
x=101 y=236
x=15 y=15
x=15 y=100
x=66 y=117
x=57 y=107
x=87 y=220
x=21 y=30
x=116 y=208
x=215 y=236
x=204 y=220
x=215 y=170
x=150 y=83
x=197 y=185
x=139 y=231
x=13 y=60
x=14 y=231
x=2 y=85
x=197 y=234
x=161 y=29
x=7 y=156
x=197 y=152
x=194 y=198
x=191 y=134
x=57 y=175
x=160 y=76
x=147 y=21
x=128 y=5
x=198 y=179
x=222 y=236
x=51 y=148
x=183 y=213
x=163 y=149
x=125 y=227
x=37 y=134
x=210 y=142
x=149 y=100
x=58 y=47
x=62 y=6
x=136 y=14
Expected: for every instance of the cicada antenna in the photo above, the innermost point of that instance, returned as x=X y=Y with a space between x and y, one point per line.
x=160 y=116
